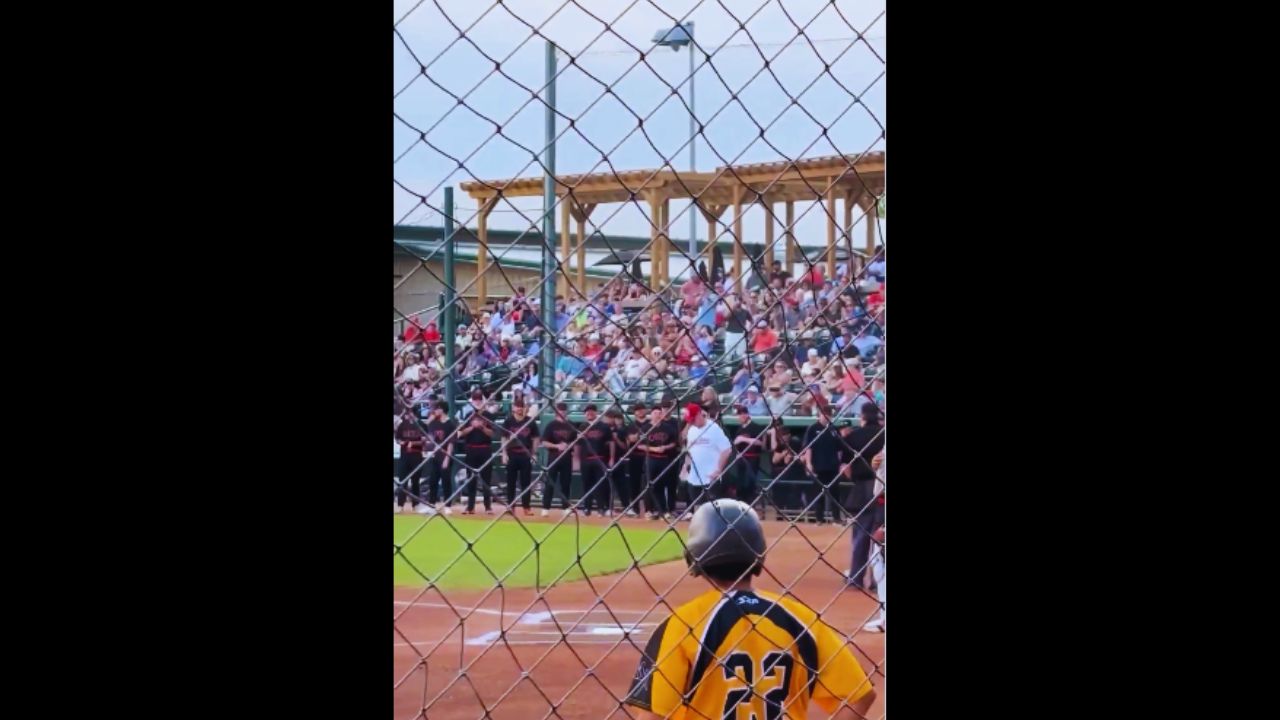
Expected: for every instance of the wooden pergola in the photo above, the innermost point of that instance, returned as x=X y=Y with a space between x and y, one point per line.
x=855 y=180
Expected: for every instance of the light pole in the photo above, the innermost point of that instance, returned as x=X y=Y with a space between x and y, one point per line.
x=676 y=38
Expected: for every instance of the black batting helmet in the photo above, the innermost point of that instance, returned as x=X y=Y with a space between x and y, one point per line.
x=724 y=532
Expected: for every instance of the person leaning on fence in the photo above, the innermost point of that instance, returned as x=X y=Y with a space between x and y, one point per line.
x=734 y=651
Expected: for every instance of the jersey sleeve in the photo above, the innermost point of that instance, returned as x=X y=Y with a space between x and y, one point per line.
x=840 y=677
x=663 y=671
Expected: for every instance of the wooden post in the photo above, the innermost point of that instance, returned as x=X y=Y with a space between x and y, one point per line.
x=872 y=208
x=831 y=230
x=563 y=283
x=712 y=214
x=582 y=248
x=581 y=213
x=482 y=257
x=655 y=250
x=768 y=236
x=789 y=260
x=665 y=241
x=737 y=237
x=850 y=201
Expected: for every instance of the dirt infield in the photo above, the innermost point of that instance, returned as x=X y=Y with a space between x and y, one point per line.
x=574 y=650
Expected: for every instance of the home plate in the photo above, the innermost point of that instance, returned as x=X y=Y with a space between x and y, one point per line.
x=610 y=630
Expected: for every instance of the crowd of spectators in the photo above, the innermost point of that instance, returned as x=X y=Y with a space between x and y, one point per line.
x=804 y=346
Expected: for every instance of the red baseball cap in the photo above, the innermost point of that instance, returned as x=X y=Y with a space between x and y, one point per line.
x=692 y=411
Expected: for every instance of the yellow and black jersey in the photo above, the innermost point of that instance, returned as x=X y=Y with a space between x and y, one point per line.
x=745 y=654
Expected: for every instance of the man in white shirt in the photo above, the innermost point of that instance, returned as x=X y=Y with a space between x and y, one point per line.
x=707 y=452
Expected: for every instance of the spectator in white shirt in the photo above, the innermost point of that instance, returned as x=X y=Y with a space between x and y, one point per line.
x=707 y=455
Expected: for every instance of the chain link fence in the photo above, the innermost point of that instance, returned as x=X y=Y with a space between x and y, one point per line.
x=586 y=383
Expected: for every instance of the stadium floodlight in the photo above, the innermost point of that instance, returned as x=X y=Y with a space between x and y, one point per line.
x=675 y=38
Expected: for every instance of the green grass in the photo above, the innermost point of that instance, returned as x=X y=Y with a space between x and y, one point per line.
x=433 y=550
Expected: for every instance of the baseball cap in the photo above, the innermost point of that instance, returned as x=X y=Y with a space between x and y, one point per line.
x=753 y=389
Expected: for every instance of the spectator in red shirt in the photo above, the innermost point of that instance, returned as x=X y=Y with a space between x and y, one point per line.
x=412 y=331
x=765 y=338
x=593 y=348
x=431 y=334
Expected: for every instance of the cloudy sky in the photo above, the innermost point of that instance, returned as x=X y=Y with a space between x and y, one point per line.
x=848 y=101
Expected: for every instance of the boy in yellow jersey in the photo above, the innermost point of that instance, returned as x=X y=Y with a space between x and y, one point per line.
x=734 y=653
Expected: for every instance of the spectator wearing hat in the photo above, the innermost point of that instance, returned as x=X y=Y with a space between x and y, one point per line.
x=765 y=338
x=778 y=400
x=813 y=364
x=707 y=454
x=754 y=401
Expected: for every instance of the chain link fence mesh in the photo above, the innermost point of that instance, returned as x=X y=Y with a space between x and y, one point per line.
x=555 y=321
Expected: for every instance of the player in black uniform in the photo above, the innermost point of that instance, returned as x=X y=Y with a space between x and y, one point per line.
x=821 y=457
x=664 y=472
x=618 y=469
x=788 y=470
x=517 y=453
x=410 y=435
x=440 y=436
x=477 y=441
x=748 y=445
x=637 y=462
x=558 y=439
x=595 y=456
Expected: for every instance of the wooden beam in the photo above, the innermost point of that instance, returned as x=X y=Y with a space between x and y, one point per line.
x=789 y=259
x=768 y=237
x=831 y=231
x=737 y=238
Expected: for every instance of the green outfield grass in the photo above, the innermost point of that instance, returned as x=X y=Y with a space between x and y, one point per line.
x=432 y=551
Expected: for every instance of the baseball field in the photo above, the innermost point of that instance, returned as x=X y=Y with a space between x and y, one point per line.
x=566 y=626
x=470 y=553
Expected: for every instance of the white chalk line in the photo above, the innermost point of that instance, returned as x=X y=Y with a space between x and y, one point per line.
x=584 y=633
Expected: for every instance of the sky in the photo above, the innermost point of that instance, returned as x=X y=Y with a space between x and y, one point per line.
x=732 y=132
